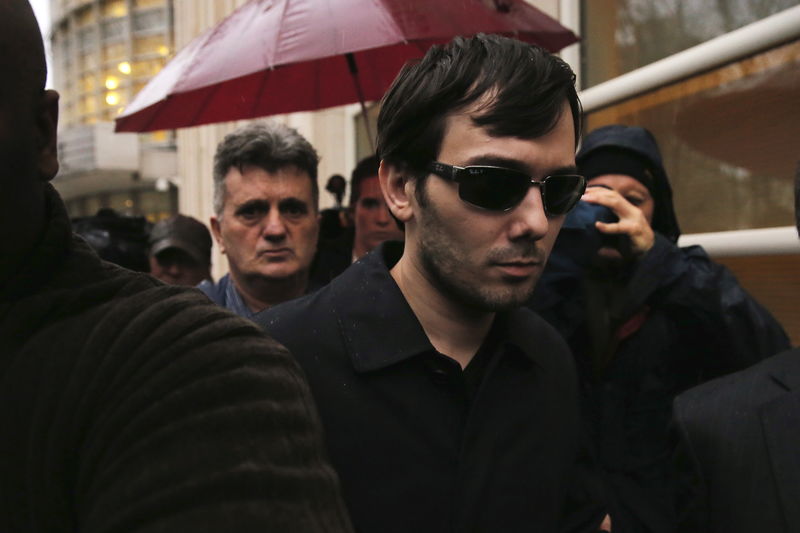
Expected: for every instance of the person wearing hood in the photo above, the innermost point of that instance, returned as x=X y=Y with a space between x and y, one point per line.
x=644 y=318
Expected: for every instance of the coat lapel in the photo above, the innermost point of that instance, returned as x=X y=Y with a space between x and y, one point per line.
x=781 y=424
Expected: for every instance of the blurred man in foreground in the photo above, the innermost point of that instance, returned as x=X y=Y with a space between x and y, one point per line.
x=127 y=405
x=266 y=217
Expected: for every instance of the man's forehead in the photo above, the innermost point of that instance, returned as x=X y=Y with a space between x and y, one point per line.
x=255 y=182
x=369 y=185
x=466 y=144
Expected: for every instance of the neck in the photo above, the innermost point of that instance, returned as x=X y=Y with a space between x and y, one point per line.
x=259 y=293
x=359 y=248
x=453 y=329
x=22 y=239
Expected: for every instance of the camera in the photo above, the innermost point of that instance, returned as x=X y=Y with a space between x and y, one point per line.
x=582 y=219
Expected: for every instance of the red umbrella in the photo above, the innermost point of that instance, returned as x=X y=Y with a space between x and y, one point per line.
x=281 y=56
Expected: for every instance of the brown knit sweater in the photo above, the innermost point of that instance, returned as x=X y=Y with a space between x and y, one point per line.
x=128 y=405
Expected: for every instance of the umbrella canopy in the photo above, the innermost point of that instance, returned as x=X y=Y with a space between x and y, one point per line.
x=281 y=56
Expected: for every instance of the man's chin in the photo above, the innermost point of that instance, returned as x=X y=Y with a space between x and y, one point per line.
x=275 y=272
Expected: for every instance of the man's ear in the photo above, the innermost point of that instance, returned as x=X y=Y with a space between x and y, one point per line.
x=215 y=230
x=397 y=191
x=47 y=141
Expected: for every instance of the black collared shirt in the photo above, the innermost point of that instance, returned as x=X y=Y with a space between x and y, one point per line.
x=419 y=444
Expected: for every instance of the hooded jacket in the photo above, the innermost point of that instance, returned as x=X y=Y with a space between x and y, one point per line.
x=644 y=333
x=642 y=143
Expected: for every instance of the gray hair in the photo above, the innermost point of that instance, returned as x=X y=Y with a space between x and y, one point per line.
x=268 y=145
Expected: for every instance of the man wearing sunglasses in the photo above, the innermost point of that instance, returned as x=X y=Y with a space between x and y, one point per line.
x=446 y=407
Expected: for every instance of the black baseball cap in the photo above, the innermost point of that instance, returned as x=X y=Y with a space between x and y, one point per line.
x=184 y=233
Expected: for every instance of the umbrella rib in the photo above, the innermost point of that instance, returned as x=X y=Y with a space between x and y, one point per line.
x=276 y=45
x=153 y=115
x=214 y=89
x=257 y=95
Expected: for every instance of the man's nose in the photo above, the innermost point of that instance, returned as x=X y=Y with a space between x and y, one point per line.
x=274 y=228
x=529 y=218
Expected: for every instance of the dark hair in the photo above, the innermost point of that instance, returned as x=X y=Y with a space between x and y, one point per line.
x=267 y=145
x=366 y=168
x=527 y=87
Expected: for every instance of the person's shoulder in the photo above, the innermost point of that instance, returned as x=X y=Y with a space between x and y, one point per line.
x=215 y=291
x=137 y=305
x=314 y=308
x=740 y=391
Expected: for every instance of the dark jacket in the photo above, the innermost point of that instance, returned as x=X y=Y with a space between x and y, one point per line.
x=681 y=320
x=421 y=446
x=641 y=335
x=738 y=461
x=129 y=405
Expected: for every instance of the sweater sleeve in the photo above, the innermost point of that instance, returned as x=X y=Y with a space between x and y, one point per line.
x=706 y=300
x=179 y=416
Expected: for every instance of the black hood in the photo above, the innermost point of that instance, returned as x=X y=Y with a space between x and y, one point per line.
x=642 y=143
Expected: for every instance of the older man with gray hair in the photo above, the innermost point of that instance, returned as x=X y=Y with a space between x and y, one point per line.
x=266 y=217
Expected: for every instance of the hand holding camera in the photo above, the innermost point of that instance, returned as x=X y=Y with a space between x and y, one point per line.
x=631 y=221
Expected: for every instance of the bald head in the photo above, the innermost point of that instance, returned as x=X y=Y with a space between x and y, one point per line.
x=28 y=119
x=22 y=62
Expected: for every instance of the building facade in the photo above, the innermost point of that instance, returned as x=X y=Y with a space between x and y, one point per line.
x=104 y=52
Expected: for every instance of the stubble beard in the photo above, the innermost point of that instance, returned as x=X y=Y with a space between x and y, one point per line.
x=445 y=266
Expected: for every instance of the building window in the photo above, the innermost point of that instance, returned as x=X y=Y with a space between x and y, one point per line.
x=113 y=30
x=89 y=62
x=142 y=4
x=619 y=36
x=88 y=105
x=148 y=68
x=87 y=40
x=150 y=45
x=115 y=8
x=88 y=83
x=729 y=140
x=86 y=17
x=150 y=21
x=115 y=52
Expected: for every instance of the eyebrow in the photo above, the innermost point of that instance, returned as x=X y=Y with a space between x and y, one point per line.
x=515 y=164
x=292 y=202
x=262 y=205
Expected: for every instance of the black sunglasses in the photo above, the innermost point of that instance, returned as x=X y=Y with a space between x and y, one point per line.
x=502 y=189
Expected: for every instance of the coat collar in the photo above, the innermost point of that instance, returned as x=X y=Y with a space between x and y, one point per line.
x=378 y=326
x=785 y=369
